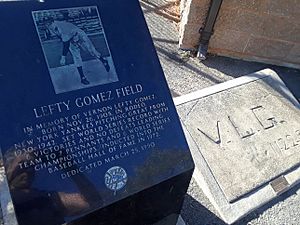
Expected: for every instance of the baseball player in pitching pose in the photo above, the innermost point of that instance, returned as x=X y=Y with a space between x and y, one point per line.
x=74 y=40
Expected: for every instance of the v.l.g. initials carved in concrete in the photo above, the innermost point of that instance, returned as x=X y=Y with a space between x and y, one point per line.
x=265 y=121
x=260 y=114
x=216 y=141
x=242 y=133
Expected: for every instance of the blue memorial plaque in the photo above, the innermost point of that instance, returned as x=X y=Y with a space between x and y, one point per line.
x=89 y=131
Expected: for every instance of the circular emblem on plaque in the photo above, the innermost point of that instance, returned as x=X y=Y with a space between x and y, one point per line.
x=115 y=178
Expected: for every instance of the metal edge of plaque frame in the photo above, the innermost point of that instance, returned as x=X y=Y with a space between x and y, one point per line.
x=231 y=212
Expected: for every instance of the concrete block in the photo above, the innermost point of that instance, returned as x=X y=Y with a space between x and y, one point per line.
x=236 y=178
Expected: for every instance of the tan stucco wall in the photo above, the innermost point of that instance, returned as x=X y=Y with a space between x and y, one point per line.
x=259 y=30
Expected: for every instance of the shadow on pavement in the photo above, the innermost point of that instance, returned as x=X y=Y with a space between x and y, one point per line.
x=233 y=67
x=171 y=56
x=195 y=213
x=291 y=77
x=164 y=40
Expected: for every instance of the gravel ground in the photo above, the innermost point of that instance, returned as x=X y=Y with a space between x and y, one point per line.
x=184 y=75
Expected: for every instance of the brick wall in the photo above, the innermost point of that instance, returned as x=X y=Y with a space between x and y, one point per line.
x=258 y=30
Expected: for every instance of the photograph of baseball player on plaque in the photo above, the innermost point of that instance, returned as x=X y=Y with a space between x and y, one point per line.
x=75 y=48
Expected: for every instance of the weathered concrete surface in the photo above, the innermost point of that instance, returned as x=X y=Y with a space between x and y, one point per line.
x=243 y=134
x=252 y=127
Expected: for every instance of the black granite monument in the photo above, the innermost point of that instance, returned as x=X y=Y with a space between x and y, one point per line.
x=89 y=133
